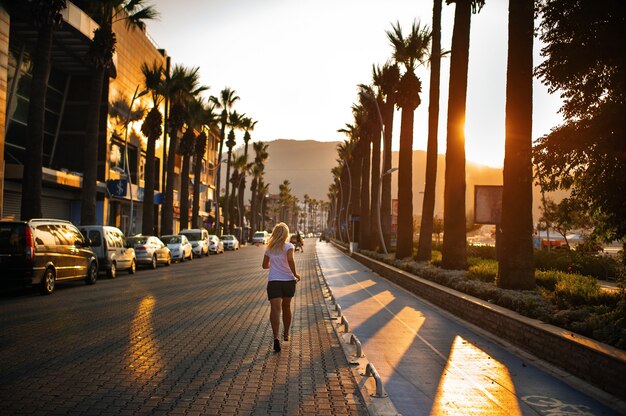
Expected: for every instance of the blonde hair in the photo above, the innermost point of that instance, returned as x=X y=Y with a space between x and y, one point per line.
x=278 y=239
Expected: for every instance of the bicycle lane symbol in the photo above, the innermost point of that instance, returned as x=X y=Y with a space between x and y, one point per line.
x=548 y=406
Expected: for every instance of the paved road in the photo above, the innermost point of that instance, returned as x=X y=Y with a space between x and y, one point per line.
x=189 y=339
x=434 y=364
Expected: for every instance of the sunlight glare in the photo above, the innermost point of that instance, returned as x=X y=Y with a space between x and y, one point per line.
x=144 y=357
x=474 y=383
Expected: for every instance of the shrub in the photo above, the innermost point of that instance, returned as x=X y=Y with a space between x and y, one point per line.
x=600 y=267
x=484 y=252
x=483 y=270
x=575 y=290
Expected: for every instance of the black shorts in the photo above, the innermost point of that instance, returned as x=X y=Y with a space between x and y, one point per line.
x=281 y=289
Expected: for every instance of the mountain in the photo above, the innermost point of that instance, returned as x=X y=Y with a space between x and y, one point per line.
x=307 y=164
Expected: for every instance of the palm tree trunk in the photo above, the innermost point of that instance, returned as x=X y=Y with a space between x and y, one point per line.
x=147 y=225
x=218 y=173
x=90 y=150
x=227 y=224
x=375 y=196
x=33 y=162
x=167 y=215
x=254 y=214
x=424 y=250
x=515 y=262
x=184 y=193
x=454 y=253
x=195 y=210
x=365 y=237
x=355 y=198
x=385 y=200
x=404 y=246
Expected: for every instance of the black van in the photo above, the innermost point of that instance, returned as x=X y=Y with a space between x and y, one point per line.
x=41 y=252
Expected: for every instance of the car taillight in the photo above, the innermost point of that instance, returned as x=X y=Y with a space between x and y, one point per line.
x=30 y=245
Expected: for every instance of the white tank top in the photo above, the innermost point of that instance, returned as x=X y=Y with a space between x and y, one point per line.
x=279 y=267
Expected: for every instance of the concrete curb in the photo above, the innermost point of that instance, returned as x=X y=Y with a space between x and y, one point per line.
x=376 y=405
x=599 y=364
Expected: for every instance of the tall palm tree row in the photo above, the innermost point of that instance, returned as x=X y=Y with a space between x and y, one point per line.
x=408 y=51
x=181 y=88
x=225 y=102
x=454 y=252
x=100 y=56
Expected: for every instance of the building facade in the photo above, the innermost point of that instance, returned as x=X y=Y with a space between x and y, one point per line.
x=121 y=145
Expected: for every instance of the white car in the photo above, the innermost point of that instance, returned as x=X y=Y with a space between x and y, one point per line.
x=230 y=242
x=109 y=245
x=215 y=244
x=260 y=237
x=199 y=239
x=179 y=246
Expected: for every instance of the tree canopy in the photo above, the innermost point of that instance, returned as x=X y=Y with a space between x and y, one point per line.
x=586 y=64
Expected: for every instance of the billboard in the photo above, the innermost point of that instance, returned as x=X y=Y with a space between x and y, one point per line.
x=487 y=204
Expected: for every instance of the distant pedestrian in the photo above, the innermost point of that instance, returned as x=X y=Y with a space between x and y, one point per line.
x=281 y=285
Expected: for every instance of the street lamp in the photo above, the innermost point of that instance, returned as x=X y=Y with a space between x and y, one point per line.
x=127 y=166
x=380 y=227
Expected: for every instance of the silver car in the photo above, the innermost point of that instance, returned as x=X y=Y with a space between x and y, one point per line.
x=230 y=242
x=179 y=246
x=150 y=250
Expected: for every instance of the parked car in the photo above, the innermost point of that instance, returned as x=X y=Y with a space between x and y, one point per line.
x=150 y=250
x=109 y=245
x=42 y=252
x=230 y=242
x=179 y=246
x=199 y=240
x=260 y=237
x=215 y=244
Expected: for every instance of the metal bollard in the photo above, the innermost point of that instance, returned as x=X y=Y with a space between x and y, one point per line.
x=359 y=349
x=346 y=325
x=370 y=371
x=339 y=311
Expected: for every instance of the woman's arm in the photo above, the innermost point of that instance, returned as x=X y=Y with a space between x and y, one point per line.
x=292 y=264
x=266 y=262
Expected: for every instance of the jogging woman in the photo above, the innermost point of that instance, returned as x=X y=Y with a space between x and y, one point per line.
x=281 y=285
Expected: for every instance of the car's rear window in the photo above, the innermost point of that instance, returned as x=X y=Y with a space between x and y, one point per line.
x=259 y=235
x=12 y=237
x=191 y=236
x=171 y=239
x=137 y=240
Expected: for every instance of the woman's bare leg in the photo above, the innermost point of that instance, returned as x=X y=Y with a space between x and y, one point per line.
x=275 y=315
x=286 y=306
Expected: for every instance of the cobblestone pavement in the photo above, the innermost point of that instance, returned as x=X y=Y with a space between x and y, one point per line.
x=189 y=339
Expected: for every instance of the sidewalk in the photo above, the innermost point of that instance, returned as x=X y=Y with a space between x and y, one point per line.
x=432 y=363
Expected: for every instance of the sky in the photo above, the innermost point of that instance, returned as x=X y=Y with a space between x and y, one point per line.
x=296 y=64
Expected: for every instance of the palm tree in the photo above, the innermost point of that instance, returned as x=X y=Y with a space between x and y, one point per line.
x=235 y=122
x=515 y=260
x=185 y=149
x=100 y=56
x=208 y=120
x=454 y=253
x=424 y=247
x=248 y=126
x=409 y=52
x=349 y=154
x=180 y=88
x=47 y=17
x=263 y=190
x=225 y=102
x=285 y=199
x=152 y=129
x=366 y=120
x=261 y=155
x=387 y=81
